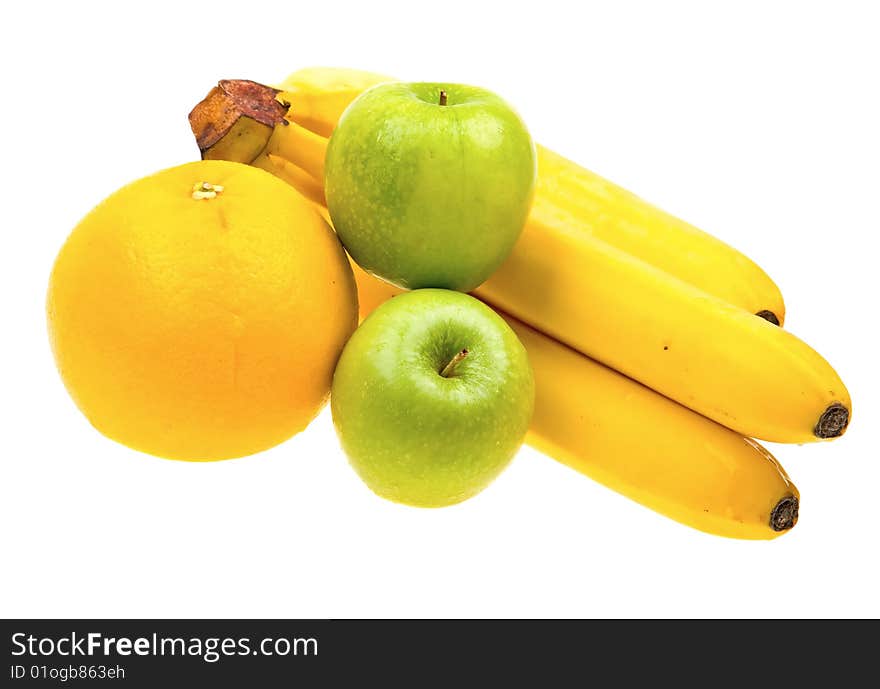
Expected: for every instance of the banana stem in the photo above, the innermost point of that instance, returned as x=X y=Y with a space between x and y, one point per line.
x=453 y=362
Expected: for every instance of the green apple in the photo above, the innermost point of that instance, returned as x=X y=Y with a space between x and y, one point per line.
x=432 y=397
x=429 y=185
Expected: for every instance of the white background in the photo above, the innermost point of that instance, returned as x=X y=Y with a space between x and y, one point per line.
x=756 y=121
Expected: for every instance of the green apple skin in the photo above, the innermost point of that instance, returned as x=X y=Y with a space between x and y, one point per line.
x=429 y=195
x=413 y=435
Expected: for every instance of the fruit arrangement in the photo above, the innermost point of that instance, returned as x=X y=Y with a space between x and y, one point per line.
x=208 y=311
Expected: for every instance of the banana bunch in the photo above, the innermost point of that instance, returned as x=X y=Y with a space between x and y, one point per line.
x=598 y=275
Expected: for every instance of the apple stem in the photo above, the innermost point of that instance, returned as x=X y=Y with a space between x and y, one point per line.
x=442 y=97
x=453 y=362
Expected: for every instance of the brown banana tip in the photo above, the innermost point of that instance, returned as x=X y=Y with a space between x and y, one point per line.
x=213 y=117
x=833 y=421
x=768 y=316
x=785 y=514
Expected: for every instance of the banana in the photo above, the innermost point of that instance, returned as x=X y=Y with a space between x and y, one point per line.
x=689 y=345
x=705 y=353
x=579 y=198
x=318 y=96
x=684 y=342
x=641 y=444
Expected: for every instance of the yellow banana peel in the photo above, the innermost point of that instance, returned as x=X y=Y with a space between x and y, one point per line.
x=581 y=199
x=641 y=444
x=618 y=280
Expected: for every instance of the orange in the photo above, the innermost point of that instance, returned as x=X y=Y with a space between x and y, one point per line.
x=198 y=313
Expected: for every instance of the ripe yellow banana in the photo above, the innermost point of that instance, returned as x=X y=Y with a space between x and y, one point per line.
x=641 y=444
x=577 y=197
x=318 y=96
x=715 y=358
x=600 y=299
